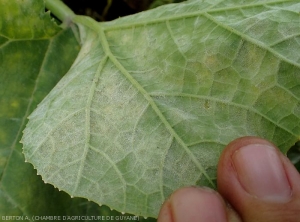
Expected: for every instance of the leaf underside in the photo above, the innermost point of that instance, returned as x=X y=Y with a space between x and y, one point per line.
x=152 y=99
x=32 y=48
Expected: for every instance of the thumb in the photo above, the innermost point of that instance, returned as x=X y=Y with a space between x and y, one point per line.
x=259 y=181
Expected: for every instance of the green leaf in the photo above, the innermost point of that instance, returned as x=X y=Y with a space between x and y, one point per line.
x=152 y=99
x=156 y=3
x=34 y=54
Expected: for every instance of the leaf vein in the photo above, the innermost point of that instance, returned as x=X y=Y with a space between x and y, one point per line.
x=155 y=108
x=251 y=40
x=115 y=168
x=52 y=130
x=88 y=121
x=221 y=101
x=23 y=121
x=186 y=15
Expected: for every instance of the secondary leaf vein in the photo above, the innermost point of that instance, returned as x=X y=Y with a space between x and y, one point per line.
x=251 y=40
x=221 y=101
x=152 y=104
x=88 y=121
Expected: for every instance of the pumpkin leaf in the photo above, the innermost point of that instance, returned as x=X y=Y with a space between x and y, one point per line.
x=152 y=99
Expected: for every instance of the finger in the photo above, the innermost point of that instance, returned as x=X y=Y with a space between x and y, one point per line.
x=259 y=181
x=193 y=204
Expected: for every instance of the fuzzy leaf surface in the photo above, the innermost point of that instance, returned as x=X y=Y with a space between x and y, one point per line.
x=152 y=99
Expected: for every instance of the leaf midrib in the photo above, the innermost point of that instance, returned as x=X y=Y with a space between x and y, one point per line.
x=230 y=29
x=110 y=27
x=205 y=13
x=101 y=29
x=149 y=99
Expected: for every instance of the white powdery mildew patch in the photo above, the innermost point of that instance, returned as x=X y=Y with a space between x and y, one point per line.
x=148 y=106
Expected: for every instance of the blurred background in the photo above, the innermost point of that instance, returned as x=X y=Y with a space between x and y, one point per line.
x=107 y=10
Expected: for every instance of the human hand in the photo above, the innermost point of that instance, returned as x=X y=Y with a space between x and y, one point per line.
x=256 y=182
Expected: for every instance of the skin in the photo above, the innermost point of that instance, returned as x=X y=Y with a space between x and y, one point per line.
x=256 y=182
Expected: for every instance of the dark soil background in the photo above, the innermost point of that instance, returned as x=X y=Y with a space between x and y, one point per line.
x=106 y=10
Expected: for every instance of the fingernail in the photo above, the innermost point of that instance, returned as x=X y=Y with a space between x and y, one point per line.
x=261 y=173
x=197 y=204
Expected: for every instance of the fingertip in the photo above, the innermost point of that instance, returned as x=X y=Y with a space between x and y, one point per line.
x=193 y=204
x=165 y=214
x=254 y=176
